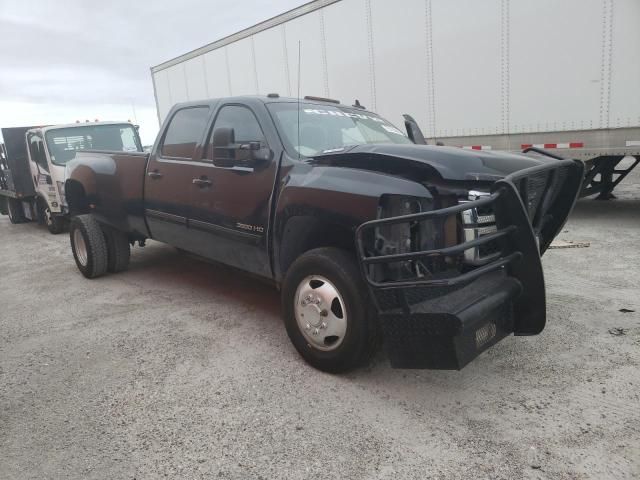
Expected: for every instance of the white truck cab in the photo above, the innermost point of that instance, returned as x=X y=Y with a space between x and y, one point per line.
x=48 y=150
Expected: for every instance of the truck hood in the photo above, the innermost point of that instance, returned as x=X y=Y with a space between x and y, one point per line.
x=448 y=163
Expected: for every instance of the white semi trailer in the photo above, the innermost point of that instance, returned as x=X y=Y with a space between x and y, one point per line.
x=562 y=75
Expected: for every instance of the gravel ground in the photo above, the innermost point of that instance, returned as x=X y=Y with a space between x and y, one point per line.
x=182 y=369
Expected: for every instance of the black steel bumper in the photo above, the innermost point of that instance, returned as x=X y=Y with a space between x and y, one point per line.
x=443 y=321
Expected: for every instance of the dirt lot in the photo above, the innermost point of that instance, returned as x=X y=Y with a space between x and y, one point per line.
x=182 y=369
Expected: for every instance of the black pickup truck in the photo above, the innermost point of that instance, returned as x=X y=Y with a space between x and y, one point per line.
x=369 y=233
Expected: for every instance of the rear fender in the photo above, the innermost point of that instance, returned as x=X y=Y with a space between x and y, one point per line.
x=110 y=186
x=76 y=197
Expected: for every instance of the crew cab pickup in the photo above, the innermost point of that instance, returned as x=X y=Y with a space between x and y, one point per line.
x=368 y=233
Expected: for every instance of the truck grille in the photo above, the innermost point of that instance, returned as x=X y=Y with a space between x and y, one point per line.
x=478 y=222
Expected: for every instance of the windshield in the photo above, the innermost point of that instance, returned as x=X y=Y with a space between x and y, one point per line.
x=325 y=128
x=64 y=142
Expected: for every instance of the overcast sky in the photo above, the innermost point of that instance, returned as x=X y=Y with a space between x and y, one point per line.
x=62 y=61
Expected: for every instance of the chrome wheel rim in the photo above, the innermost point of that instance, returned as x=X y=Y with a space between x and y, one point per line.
x=80 y=246
x=47 y=217
x=321 y=313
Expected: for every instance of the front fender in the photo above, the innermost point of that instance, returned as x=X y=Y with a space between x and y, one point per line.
x=342 y=197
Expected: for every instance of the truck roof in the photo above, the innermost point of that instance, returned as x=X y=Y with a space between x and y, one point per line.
x=273 y=98
x=77 y=124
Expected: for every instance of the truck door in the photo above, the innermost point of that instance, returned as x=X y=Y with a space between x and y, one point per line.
x=169 y=173
x=230 y=205
x=44 y=183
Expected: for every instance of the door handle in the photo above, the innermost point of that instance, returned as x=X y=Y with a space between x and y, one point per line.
x=155 y=174
x=201 y=182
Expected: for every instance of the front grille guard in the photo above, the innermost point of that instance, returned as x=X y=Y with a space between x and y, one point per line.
x=519 y=244
x=451 y=251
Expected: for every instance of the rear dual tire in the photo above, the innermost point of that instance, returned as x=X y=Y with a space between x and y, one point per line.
x=118 y=250
x=96 y=249
x=14 y=210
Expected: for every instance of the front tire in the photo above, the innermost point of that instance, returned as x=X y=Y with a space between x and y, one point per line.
x=54 y=223
x=89 y=246
x=327 y=311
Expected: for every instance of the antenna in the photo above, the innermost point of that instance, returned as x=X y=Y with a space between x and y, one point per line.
x=299 y=50
x=133 y=106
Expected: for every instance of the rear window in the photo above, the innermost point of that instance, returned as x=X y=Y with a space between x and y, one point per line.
x=184 y=132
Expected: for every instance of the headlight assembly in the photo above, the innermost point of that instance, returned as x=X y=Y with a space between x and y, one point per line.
x=401 y=237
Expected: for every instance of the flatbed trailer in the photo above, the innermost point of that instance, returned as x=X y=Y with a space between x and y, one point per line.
x=16 y=187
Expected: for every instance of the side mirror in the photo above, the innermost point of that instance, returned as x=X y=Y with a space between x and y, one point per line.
x=413 y=130
x=227 y=153
x=224 y=148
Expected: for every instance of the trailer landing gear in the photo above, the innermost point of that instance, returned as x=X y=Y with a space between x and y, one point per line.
x=600 y=177
x=606 y=196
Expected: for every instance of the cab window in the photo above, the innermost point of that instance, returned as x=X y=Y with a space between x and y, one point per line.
x=184 y=132
x=36 y=149
x=244 y=123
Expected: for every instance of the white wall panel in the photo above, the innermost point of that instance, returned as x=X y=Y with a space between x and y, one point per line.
x=399 y=53
x=625 y=70
x=242 y=68
x=163 y=94
x=555 y=64
x=347 y=52
x=177 y=83
x=217 y=79
x=467 y=66
x=195 y=78
x=460 y=67
x=307 y=30
x=271 y=62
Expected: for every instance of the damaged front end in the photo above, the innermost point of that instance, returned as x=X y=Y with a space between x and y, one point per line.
x=450 y=279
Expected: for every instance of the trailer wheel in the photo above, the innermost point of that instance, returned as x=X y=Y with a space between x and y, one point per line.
x=118 y=249
x=327 y=311
x=55 y=223
x=14 y=210
x=89 y=246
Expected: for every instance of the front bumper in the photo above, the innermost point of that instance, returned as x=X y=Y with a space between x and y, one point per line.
x=446 y=319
